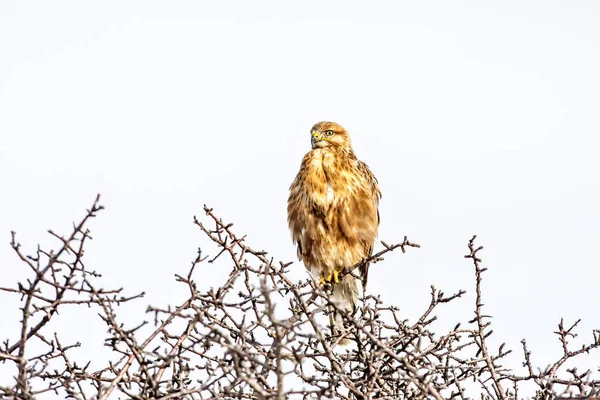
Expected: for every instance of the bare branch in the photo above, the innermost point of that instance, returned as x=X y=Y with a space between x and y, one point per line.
x=261 y=336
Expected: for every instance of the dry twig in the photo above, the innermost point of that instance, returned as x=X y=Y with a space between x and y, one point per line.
x=259 y=336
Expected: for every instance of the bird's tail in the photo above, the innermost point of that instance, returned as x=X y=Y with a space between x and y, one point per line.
x=345 y=295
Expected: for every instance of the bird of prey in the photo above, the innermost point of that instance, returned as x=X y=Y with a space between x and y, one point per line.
x=333 y=216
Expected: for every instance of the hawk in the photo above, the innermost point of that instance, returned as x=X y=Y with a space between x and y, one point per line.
x=333 y=215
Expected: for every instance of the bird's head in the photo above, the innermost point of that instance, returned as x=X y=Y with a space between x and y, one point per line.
x=326 y=134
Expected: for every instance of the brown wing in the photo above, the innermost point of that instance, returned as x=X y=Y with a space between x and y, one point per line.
x=369 y=177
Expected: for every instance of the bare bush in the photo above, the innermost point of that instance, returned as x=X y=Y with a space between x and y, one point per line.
x=261 y=336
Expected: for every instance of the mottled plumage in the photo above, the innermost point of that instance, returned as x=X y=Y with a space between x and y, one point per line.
x=333 y=213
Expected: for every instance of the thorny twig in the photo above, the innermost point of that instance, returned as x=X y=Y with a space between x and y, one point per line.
x=259 y=336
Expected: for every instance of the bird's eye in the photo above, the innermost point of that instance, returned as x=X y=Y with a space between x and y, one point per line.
x=328 y=133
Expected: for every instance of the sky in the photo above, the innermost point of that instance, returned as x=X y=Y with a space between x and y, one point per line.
x=476 y=117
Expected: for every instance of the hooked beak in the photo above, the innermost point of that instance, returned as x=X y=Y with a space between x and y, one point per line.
x=316 y=136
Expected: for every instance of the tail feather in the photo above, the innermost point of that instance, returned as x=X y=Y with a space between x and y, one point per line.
x=345 y=296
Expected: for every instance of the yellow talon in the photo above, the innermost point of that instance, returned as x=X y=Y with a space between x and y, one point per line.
x=334 y=276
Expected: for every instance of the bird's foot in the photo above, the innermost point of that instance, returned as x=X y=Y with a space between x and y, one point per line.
x=332 y=278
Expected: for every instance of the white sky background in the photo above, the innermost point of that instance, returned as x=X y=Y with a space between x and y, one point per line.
x=476 y=119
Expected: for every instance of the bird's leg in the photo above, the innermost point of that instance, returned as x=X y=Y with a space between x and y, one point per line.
x=334 y=276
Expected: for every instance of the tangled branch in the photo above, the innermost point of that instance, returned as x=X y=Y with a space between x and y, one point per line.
x=260 y=336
